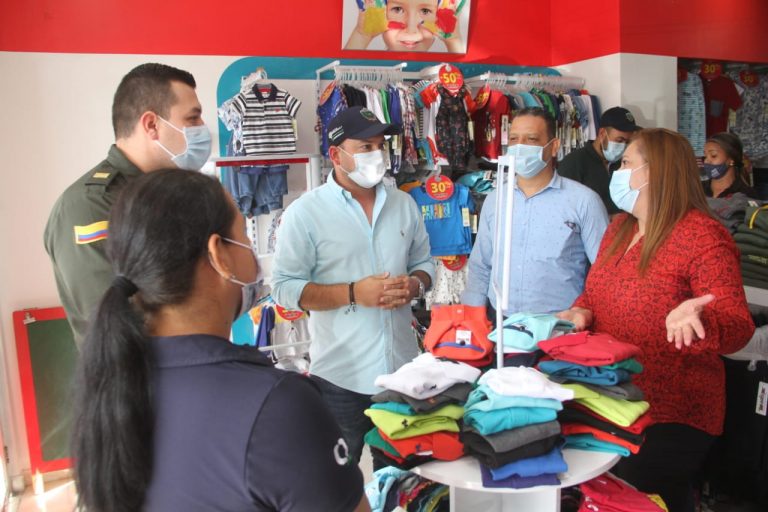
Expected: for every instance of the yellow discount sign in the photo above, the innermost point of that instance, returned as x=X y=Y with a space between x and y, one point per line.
x=711 y=69
x=451 y=78
x=439 y=187
x=749 y=78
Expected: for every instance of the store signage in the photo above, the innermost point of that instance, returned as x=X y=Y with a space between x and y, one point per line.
x=287 y=314
x=439 y=188
x=711 y=70
x=451 y=78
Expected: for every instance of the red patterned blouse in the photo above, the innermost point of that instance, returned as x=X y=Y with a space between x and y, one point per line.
x=698 y=257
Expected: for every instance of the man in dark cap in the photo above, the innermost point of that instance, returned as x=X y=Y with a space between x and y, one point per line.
x=355 y=253
x=593 y=164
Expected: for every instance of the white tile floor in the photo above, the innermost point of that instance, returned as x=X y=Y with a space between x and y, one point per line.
x=59 y=496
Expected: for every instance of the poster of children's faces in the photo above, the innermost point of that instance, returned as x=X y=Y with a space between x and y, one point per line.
x=406 y=25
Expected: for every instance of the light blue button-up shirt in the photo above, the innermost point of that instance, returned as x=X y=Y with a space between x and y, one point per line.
x=555 y=236
x=325 y=238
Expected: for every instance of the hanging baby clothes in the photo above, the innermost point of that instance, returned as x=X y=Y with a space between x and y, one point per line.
x=451 y=133
x=691 y=121
x=487 y=120
x=267 y=119
x=331 y=102
x=447 y=221
x=448 y=285
x=752 y=118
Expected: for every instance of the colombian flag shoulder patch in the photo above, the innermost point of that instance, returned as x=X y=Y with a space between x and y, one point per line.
x=91 y=233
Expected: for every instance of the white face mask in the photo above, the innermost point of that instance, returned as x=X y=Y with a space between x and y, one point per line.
x=622 y=194
x=254 y=291
x=529 y=159
x=369 y=168
x=198 y=139
x=614 y=150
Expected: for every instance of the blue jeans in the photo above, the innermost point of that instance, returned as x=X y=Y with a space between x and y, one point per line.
x=347 y=407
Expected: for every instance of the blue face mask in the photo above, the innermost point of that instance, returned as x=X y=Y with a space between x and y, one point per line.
x=614 y=151
x=622 y=194
x=715 y=171
x=528 y=159
x=198 y=150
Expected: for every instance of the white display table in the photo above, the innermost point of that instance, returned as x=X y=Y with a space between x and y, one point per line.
x=469 y=495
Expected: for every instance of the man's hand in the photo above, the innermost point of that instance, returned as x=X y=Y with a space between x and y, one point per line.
x=382 y=291
x=684 y=322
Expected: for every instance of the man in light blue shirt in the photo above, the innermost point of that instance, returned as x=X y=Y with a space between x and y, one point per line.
x=354 y=253
x=557 y=225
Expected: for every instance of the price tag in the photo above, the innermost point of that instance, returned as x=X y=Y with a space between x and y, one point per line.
x=456 y=263
x=465 y=217
x=749 y=78
x=471 y=130
x=474 y=224
x=504 y=129
x=761 y=407
x=463 y=337
x=439 y=187
x=711 y=69
x=287 y=314
x=482 y=96
x=451 y=78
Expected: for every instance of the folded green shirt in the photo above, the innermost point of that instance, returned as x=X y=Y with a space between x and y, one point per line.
x=620 y=412
x=402 y=426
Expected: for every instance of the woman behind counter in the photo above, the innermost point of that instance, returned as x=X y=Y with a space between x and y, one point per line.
x=667 y=280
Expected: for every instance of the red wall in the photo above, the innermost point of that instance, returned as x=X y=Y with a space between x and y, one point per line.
x=306 y=28
x=716 y=29
x=502 y=31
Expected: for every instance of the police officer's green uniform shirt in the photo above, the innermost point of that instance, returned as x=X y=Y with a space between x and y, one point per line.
x=76 y=234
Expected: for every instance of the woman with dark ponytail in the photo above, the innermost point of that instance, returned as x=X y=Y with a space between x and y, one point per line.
x=169 y=414
x=724 y=167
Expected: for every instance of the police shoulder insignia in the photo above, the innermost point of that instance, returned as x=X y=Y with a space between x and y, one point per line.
x=102 y=177
x=91 y=233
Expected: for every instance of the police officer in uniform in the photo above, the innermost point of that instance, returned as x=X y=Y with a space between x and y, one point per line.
x=157 y=120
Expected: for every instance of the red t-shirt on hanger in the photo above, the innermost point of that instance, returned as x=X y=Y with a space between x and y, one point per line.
x=720 y=96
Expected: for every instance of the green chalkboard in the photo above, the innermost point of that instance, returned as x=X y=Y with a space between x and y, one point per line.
x=47 y=358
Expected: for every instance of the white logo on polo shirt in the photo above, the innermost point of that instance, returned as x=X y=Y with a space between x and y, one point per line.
x=341 y=452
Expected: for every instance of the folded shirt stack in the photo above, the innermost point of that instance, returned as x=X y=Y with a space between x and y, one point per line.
x=523 y=331
x=608 y=413
x=394 y=489
x=510 y=427
x=417 y=416
x=606 y=493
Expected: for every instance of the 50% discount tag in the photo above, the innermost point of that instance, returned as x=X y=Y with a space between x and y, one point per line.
x=451 y=78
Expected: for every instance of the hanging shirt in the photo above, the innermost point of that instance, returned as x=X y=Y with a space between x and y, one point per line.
x=447 y=222
x=691 y=119
x=720 y=96
x=555 y=235
x=325 y=238
x=752 y=117
x=487 y=122
x=267 y=118
x=331 y=104
x=451 y=129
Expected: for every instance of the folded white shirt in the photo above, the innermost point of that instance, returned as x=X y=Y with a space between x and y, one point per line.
x=523 y=381
x=427 y=376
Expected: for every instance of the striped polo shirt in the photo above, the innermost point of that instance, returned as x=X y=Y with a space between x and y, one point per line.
x=267 y=114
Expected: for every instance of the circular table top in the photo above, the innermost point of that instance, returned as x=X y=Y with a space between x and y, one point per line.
x=464 y=473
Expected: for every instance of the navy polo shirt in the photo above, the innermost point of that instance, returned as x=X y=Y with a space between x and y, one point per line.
x=232 y=433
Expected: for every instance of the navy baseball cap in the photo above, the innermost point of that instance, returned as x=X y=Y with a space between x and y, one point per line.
x=357 y=123
x=619 y=118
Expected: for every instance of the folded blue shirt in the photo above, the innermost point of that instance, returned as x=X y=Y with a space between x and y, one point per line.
x=551 y=462
x=523 y=331
x=395 y=407
x=589 y=374
x=491 y=422
x=483 y=398
x=516 y=482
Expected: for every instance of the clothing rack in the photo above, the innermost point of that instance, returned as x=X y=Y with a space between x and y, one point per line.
x=360 y=75
x=527 y=81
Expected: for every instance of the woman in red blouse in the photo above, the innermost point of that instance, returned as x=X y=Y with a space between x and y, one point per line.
x=667 y=279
